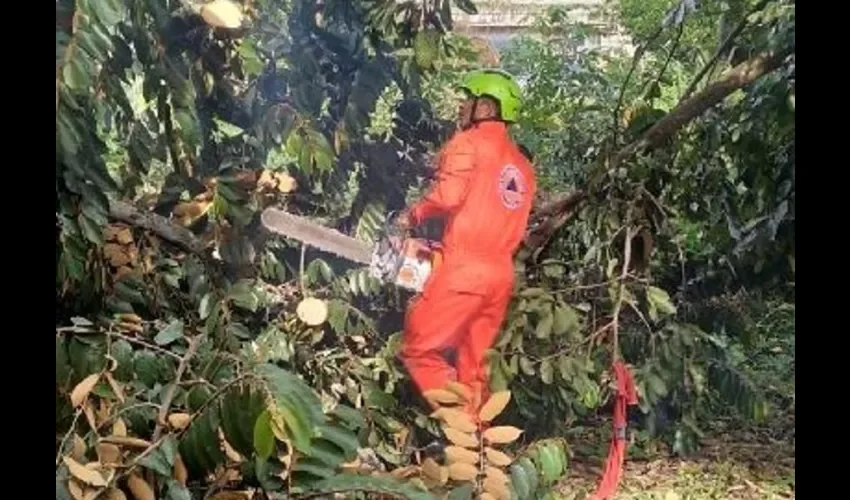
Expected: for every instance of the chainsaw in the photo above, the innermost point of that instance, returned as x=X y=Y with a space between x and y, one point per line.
x=395 y=258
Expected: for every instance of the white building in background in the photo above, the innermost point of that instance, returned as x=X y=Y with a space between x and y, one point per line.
x=498 y=21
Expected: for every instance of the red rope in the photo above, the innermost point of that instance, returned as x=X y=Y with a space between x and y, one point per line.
x=626 y=395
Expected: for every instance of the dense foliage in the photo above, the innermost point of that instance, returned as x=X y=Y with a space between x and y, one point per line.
x=182 y=368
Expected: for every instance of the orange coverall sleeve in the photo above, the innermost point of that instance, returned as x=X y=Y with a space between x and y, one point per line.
x=452 y=181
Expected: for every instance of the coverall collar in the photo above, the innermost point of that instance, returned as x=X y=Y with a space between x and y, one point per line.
x=490 y=126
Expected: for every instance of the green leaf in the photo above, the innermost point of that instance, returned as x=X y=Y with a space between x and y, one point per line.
x=239 y=331
x=526 y=365
x=77 y=72
x=314 y=467
x=426 y=47
x=524 y=483
x=157 y=462
x=657 y=385
x=546 y=371
x=206 y=305
x=91 y=230
x=462 y=492
x=338 y=315
x=372 y=486
x=545 y=325
x=296 y=403
x=531 y=292
x=343 y=438
x=566 y=320
x=659 y=300
x=109 y=12
x=176 y=491
x=263 y=435
x=251 y=62
x=170 y=333
x=243 y=296
x=550 y=463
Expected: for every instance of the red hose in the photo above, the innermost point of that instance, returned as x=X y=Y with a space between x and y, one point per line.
x=626 y=395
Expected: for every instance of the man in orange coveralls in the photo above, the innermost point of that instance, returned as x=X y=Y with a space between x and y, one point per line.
x=484 y=187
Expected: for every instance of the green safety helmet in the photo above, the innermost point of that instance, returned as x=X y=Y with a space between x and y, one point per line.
x=497 y=85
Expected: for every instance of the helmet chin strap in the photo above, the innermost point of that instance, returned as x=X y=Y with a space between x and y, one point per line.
x=473 y=121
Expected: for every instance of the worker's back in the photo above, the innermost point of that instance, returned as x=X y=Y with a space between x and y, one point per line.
x=492 y=221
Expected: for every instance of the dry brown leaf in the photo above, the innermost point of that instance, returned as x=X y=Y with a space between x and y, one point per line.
x=78 y=451
x=130 y=442
x=495 y=473
x=285 y=182
x=130 y=327
x=124 y=236
x=119 y=428
x=497 y=488
x=117 y=389
x=92 y=493
x=497 y=458
x=502 y=434
x=441 y=397
x=129 y=318
x=83 y=473
x=487 y=496
x=75 y=489
x=117 y=255
x=312 y=311
x=231 y=454
x=231 y=495
x=115 y=494
x=461 y=438
x=279 y=428
x=89 y=413
x=179 y=420
x=191 y=209
x=461 y=390
x=82 y=390
x=180 y=474
x=108 y=453
x=463 y=455
x=463 y=472
x=222 y=14
x=121 y=272
x=103 y=410
x=140 y=489
x=431 y=469
x=110 y=232
x=456 y=419
x=494 y=406
x=404 y=472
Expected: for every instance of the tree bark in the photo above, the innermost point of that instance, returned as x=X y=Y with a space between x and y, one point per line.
x=554 y=215
x=157 y=224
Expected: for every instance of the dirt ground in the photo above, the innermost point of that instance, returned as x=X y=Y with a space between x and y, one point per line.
x=748 y=465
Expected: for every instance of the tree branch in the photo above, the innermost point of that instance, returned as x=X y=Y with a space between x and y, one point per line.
x=160 y=226
x=737 y=78
x=551 y=217
x=724 y=47
x=171 y=390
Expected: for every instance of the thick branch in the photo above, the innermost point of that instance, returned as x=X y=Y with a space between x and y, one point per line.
x=551 y=216
x=160 y=226
x=737 y=78
x=724 y=47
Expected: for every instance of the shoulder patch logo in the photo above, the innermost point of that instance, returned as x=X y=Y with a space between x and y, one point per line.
x=512 y=187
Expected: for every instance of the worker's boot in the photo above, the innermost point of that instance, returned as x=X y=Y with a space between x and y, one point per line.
x=454 y=407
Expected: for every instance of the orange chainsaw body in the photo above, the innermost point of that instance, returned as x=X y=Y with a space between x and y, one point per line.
x=417 y=260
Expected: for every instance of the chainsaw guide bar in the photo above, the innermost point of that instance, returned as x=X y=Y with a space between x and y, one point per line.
x=307 y=231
